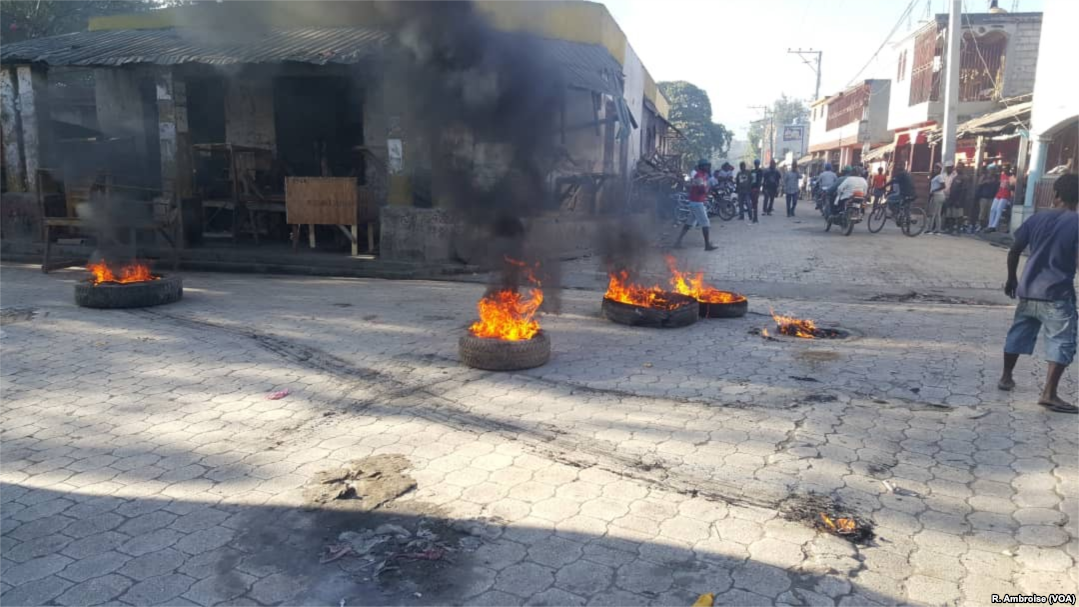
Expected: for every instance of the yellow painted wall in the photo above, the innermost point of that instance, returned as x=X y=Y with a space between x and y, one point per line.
x=573 y=20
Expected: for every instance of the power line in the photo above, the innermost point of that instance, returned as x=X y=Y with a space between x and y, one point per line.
x=888 y=38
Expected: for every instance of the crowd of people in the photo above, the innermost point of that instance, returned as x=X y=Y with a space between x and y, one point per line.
x=957 y=204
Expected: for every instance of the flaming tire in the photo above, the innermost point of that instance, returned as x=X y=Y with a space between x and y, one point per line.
x=165 y=289
x=683 y=315
x=504 y=355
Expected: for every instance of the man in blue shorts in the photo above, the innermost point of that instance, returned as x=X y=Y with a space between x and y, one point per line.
x=698 y=195
x=1046 y=292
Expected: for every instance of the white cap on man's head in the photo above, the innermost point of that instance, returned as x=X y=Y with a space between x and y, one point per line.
x=949 y=163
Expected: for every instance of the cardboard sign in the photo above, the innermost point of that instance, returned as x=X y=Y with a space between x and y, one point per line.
x=321 y=200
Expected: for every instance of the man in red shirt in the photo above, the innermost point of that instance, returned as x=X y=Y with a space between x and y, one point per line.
x=878 y=185
x=698 y=195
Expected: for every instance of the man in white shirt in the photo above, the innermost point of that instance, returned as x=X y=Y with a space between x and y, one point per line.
x=852 y=182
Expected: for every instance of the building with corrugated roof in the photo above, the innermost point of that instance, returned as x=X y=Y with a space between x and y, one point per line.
x=208 y=102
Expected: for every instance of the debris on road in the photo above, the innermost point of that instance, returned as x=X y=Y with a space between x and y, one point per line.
x=802 y=378
x=828 y=515
x=370 y=481
x=278 y=394
x=705 y=600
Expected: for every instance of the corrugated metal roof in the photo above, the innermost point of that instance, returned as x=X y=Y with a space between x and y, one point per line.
x=1001 y=122
x=173 y=46
x=588 y=66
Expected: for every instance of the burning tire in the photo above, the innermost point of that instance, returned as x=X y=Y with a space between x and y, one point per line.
x=163 y=290
x=734 y=309
x=504 y=355
x=682 y=313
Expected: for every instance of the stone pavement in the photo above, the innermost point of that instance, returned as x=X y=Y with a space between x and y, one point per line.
x=796 y=257
x=142 y=463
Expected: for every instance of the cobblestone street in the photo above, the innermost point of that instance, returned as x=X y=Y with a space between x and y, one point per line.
x=143 y=463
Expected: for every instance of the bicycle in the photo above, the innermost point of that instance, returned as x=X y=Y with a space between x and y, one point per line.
x=681 y=210
x=909 y=218
x=722 y=203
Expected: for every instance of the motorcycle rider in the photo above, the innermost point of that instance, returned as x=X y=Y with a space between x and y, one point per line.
x=846 y=187
x=825 y=181
x=698 y=196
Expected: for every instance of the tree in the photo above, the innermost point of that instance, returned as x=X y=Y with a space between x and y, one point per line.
x=786 y=111
x=25 y=19
x=691 y=113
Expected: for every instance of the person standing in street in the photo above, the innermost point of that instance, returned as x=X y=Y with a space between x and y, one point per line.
x=756 y=181
x=742 y=181
x=698 y=195
x=879 y=180
x=1002 y=202
x=1046 y=292
x=771 y=187
x=937 y=189
x=791 y=186
x=986 y=192
x=956 y=195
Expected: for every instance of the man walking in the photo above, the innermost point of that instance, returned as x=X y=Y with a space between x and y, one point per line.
x=698 y=195
x=1046 y=292
x=790 y=188
x=757 y=179
x=743 y=182
x=771 y=187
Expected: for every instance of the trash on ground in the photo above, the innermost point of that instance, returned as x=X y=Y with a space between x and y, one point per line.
x=705 y=600
x=370 y=481
x=278 y=395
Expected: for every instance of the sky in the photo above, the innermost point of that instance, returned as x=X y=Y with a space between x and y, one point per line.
x=736 y=50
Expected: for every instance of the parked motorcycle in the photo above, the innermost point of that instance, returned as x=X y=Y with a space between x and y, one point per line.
x=723 y=201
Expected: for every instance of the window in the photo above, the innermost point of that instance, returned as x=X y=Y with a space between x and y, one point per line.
x=901 y=69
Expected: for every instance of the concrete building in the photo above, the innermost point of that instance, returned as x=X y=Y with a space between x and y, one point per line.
x=847 y=124
x=1054 y=127
x=998 y=57
x=307 y=92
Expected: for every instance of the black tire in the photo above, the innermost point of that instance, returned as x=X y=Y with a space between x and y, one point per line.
x=914 y=221
x=737 y=309
x=727 y=210
x=165 y=289
x=877 y=218
x=684 y=314
x=500 y=355
x=827 y=222
x=848 y=223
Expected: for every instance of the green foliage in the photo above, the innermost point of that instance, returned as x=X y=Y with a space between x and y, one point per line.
x=25 y=19
x=786 y=111
x=691 y=113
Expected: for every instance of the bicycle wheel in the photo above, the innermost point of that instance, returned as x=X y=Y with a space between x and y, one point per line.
x=727 y=210
x=914 y=221
x=877 y=218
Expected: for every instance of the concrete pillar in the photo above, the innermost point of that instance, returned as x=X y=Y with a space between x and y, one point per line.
x=34 y=120
x=173 y=135
x=1039 y=151
x=9 y=131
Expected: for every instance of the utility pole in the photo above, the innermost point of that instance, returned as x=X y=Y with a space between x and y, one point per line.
x=767 y=116
x=951 y=82
x=816 y=68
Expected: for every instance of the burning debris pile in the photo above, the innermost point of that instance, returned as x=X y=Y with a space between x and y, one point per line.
x=802 y=328
x=132 y=285
x=507 y=336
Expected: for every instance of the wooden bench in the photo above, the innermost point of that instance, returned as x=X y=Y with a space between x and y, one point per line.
x=84 y=193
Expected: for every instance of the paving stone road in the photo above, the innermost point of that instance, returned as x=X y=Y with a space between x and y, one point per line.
x=143 y=464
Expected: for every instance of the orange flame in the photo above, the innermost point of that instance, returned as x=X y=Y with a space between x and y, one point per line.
x=840 y=525
x=133 y=272
x=620 y=289
x=795 y=327
x=694 y=286
x=506 y=314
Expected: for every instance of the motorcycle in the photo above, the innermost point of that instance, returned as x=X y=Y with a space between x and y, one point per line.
x=851 y=213
x=723 y=201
